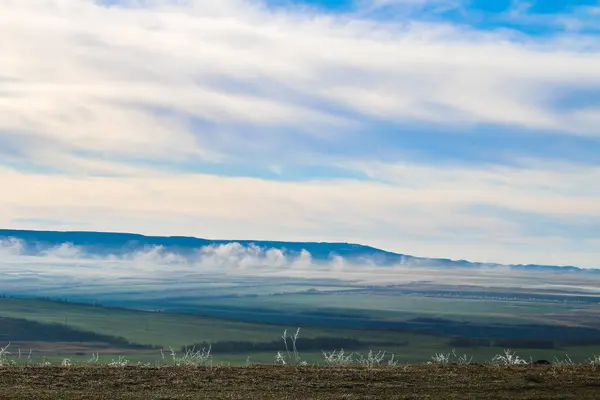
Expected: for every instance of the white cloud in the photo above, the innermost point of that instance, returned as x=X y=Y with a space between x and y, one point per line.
x=119 y=79
x=438 y=5
x=10 y=248
x=422 y=210
x=64 y=250
x=577 y=17
x=533 y=186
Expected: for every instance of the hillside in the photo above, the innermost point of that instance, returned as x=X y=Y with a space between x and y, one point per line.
x=106 y=243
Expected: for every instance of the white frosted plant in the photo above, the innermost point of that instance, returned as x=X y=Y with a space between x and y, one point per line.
x=45 y=363
x=565 y=362
x=372 y=359
x=338 y=358
x=508 y=358
x=451 y=358
x=193 y=357
x=392 y=362
x=4 y=353
x=95 y=358
x=463 y=359
x=441 y=358
x=280 y=358
x=291 y=356
x=120 y=362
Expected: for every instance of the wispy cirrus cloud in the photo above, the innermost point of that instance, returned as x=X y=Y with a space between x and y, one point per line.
x=138 y=82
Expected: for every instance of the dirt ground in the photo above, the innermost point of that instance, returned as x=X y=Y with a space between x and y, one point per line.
x=277 y=382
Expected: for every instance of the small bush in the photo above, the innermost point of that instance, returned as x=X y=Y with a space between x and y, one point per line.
x=290 y=356
x=594 y=360
x=193 y=357
x=119 y=362
x=451 y=358
x=338 y=358
x=4 y=353
x=372 y=359
x=508 y=358
x=564 y=362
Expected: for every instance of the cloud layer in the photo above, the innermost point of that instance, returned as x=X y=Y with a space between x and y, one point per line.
x=67 y=271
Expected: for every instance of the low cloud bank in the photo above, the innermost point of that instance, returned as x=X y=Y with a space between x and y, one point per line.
x=67 y=267
x=217 y=257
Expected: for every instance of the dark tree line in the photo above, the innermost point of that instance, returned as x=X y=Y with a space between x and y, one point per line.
x=15 y=329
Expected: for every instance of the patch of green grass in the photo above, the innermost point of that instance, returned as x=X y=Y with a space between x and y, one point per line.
x=182 y=330
x=137 y=326
x=399 y=308
x=178 y=330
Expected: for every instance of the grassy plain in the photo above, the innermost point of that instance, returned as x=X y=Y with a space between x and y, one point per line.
x=177 y=330
x=404 y=307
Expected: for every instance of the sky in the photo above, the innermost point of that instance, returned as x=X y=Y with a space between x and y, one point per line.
x=466 y=129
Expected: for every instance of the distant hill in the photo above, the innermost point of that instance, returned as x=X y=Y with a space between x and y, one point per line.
x=105 y=243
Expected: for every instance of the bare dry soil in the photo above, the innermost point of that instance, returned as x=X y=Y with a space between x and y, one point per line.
x=290 y=382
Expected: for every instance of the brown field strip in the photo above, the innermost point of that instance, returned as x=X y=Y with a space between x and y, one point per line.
x=289 y=382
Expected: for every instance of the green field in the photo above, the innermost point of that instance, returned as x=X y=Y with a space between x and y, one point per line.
x=401 y=307
x=177 y=330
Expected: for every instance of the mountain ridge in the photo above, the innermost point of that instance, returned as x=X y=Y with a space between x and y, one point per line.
x=36 y=241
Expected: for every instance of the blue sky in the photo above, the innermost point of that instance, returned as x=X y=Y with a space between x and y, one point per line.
x=449 y=128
